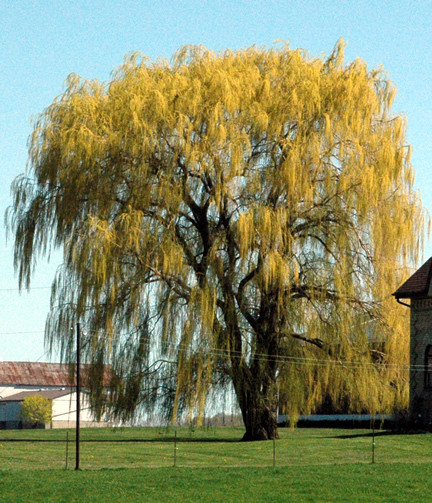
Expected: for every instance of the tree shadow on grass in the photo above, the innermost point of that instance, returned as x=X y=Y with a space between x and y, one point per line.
x=379 y=433
x=363 y=435
x=170 y=439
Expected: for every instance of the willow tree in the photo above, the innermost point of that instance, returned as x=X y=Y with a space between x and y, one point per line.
x=231 y=219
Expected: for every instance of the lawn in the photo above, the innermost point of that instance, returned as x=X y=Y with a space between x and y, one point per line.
x=136 y=464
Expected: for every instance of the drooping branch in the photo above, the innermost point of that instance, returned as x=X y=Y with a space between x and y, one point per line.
x=319 y=343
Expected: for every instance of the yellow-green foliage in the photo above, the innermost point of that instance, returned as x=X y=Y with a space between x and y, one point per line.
x=36 y=409
x=240 y=216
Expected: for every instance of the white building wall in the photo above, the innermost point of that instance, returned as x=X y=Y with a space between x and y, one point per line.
x=64 y=412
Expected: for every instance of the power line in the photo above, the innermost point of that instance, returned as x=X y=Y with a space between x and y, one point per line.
x=40 y=357
x=18 y=289
x=22 y=333
x=296 y=360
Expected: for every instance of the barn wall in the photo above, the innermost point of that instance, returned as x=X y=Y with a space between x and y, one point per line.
x=64 y=412
x=10 y=415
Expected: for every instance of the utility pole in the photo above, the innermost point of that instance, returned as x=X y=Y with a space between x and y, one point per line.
x=78 y=392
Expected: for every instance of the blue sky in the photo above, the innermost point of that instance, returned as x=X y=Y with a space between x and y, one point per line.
x=43 y=41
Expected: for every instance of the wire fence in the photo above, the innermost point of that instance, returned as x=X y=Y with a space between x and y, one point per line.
x=206 y=447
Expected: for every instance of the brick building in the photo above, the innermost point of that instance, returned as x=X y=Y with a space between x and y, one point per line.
x=418 y=290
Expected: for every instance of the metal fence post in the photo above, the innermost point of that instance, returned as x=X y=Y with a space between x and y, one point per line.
x=67 y=450
x=78 y=398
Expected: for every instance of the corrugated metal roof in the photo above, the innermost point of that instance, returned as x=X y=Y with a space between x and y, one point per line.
x=35 y=374
x=43 y=374
x=418 y=284
x=47 y=393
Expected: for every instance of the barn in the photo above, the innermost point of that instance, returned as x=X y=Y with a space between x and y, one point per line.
x=55 y=381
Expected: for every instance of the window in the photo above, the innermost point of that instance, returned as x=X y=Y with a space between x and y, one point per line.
x=428 y=367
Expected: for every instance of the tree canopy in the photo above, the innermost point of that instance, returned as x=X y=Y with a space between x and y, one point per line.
x=36 y=409
x=227 y=219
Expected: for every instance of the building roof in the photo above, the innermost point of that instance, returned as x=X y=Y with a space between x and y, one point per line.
x=418 y=285
x=44 y=374
x=46 y=393
x=35 y=374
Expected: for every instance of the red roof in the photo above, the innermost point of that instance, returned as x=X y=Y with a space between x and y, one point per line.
x=43 y=374
x=35 y=374
x=418 y=284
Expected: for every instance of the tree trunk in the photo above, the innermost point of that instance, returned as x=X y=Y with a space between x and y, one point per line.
x=258 y=406
x=260 y=423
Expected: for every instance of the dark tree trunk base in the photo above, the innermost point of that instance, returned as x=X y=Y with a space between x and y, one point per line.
x=260 y=435
x=260 y=425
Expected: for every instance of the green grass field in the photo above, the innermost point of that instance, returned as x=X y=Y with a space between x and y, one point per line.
x=136 y=464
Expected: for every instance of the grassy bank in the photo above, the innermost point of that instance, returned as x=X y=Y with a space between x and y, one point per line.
x=213 y=447
x=212 y=465
x=338 y=483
